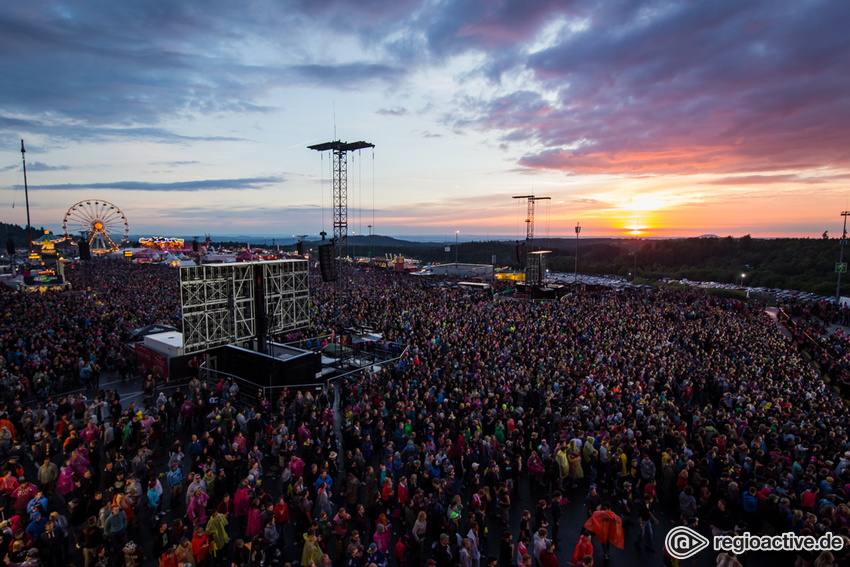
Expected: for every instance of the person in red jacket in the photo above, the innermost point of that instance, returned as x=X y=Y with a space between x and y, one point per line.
x=402 y=547
x=201 y=544
x=583 y=547
x=169 y=558
x=281 y=518
x=403 y=493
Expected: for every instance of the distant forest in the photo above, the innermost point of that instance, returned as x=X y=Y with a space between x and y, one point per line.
x=803 y=264
x=19 y=234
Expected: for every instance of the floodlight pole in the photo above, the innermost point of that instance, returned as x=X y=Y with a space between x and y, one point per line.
x=575 y=272
x=27 y=196
x=844 y=214
x=340 y=198
x=340 y=222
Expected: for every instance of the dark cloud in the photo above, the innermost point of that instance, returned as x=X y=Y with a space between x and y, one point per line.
x=36 y=166
x=682 y=87
x=200 y=185
x=137 y=66
x=462 y=25
x=85 y=132
x=631 y=86
x=350 y=76
x=398 y=111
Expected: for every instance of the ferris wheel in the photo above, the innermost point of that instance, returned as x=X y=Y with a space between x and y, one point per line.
x=101 y=222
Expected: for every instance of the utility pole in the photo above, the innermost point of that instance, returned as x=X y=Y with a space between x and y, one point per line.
x=841 y=267
x=369 y=226
x=575 y=272
x=27 y=195
x=634 y=271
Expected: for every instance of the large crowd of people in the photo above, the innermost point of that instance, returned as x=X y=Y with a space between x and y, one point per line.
x=500 y=423
x=60 y=341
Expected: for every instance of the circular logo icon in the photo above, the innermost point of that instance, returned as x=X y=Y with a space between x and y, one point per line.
x=683 y=542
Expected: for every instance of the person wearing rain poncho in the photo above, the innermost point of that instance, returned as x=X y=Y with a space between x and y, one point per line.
x=217 y=530
x=607 y=527
x=590 y=456
x=563 y=463
x=574 y=459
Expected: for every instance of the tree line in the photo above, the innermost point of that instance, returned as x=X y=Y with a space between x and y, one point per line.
x=803 y=264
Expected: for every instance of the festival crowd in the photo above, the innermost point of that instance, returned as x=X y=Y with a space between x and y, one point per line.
x=622 y=407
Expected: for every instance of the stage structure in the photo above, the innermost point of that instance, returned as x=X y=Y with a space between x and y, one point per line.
x=535 y=261
x=340 y=199
x=231 y=304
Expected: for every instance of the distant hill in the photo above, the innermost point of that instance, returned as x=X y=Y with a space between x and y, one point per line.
x=19 y=234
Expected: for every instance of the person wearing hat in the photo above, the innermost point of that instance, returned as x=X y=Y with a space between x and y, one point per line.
x=36 y=526
x=184 y=552
x=548 y=557
x=133 y=555
x=375 y=555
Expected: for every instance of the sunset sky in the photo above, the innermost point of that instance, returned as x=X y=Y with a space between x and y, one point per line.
x=675 y=118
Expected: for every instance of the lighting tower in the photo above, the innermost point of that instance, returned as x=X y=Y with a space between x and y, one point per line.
x=533 y=262
x=340 y=196
x=575 y=269
x=840 y=267
x=27 y=194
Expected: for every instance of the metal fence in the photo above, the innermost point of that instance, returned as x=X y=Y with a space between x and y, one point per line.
x=249 y=392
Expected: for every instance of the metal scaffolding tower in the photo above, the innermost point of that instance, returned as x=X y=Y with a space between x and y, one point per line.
x=534 y=262
x=340 y=196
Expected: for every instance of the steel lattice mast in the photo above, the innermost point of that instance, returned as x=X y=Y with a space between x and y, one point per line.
x=340 y=193
x=533 y=268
